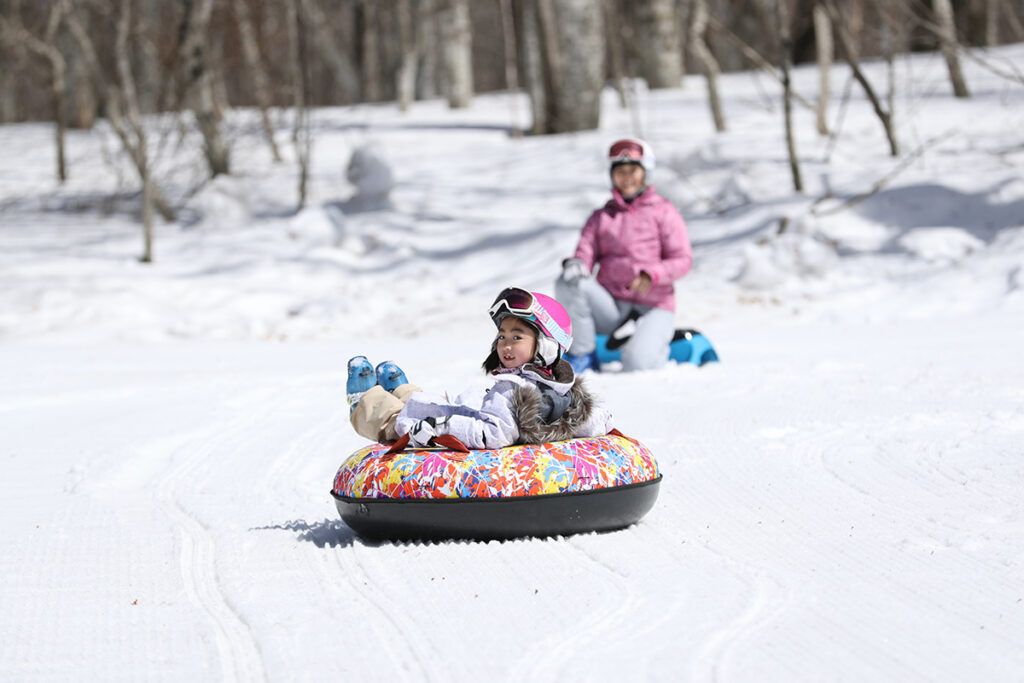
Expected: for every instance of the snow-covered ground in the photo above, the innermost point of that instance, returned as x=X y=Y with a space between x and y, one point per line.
x=843 y=492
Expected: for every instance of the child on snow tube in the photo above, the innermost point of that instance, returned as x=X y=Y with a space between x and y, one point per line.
x=638 y=243
x=536 y=397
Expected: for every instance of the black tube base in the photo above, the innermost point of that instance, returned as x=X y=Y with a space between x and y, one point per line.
x=556 y=514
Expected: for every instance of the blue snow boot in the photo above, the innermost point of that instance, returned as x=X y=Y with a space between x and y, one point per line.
x=390 y=376
x=586 y=362
x=360 y=379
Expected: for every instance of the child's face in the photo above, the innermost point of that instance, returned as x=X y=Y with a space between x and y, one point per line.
x=628 y=179
x=517 y=342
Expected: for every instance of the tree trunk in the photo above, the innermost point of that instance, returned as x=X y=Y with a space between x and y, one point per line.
x=850 y=54
x=300 y=126
x=8 y=87
x=135 y=119
x=409 y=40
x=702 y=53
x=613 y=35
x=889 y=30
x=339 y=64
x=427 y=85
x=370 y=52
x=457 y=36
x=198 y=83
x=254 y=65
x=1012 y=20
x=991 y=23
x=508 y=34
x=786 y=59
x=566 y=90
x=46 y=48
x=825 y=48
x=661 y=52
x=532 y=50
x=583 y=66
x=950 y=46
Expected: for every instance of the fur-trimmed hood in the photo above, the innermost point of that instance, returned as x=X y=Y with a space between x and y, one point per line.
x=532 y=404
x=529 y=408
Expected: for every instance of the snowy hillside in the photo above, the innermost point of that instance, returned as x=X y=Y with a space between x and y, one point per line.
x=842 y=493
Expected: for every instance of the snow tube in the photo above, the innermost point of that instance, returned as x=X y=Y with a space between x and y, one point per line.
x=688 y=346
x=602 y=483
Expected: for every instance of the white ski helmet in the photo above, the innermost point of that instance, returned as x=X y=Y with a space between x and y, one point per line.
x=631 y=151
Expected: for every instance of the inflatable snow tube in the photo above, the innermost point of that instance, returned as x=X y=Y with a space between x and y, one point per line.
x=450 y=492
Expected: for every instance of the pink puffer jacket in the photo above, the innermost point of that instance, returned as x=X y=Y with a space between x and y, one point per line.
x=645 y=235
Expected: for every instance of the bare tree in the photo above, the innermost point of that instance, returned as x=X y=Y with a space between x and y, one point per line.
x=428 y=67
x=46 y=47
x=786 y=59
x=458 y=52
x=889 y=29
x=301 y=136
x=370 y=53
x=12 y=56
x=702 y=53
x=1013 y=22
x=254 y=65
x=508 y=35
x=850 y=54
x=122 y=110
x=950 y=45
x=616 y=54
x=824 y=48
x=197 y=77
x=132 y=111
x=337 y=61
x=531 y=48
x=409 y=40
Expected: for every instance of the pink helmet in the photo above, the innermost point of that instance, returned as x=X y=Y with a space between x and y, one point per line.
x=545 y=313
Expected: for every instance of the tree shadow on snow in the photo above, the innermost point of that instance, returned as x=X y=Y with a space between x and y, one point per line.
x=929 y=206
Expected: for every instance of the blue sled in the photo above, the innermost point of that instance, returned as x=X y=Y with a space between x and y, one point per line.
x=688 y=346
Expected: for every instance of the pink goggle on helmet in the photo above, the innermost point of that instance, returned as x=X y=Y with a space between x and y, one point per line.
x=547 y=315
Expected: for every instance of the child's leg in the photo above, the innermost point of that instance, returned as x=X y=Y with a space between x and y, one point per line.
x=375 y=414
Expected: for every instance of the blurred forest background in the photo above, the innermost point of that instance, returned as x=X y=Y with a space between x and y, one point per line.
x=76 y=63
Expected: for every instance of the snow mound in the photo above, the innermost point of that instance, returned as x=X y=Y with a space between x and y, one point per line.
x=223 y=203
x=800 y=252
x=941 y=245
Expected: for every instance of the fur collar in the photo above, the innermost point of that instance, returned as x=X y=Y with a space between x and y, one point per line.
x=528 y=410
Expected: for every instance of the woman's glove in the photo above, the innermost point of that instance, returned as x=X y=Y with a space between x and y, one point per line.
x=574 y=270
x=426 y=429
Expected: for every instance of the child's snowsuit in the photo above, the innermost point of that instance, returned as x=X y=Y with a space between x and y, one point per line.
x=525 y=405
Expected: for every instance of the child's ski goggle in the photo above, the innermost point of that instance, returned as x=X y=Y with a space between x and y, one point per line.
x=522 y=303
x=626 y=151
x=514 y=300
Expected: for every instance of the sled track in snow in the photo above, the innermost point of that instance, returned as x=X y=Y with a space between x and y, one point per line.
x=550 y=657
x=338 y=571
x=240 y=659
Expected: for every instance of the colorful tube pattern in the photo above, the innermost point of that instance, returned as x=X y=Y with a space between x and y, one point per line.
x=527 y=470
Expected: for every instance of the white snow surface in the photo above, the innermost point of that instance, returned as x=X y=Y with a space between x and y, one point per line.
x=843 y=494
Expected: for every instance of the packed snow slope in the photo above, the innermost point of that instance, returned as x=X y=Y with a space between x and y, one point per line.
x=842 y=496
